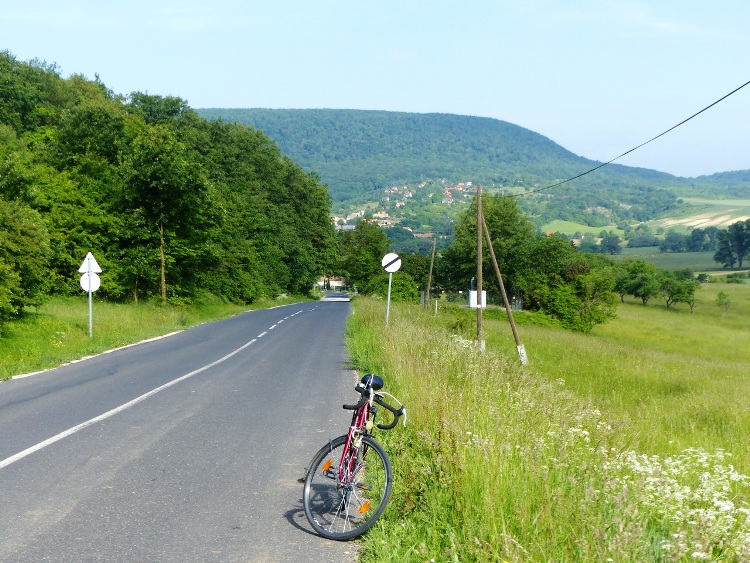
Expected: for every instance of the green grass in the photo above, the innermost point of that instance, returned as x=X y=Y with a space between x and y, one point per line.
x=673 y=261
x=571 y=228
x=58 y=332
x=606 y=446
x=673 y=379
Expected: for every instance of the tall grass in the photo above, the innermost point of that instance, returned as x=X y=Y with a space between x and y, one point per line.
x=504 y=463
x=670 y=379
x=58 y=331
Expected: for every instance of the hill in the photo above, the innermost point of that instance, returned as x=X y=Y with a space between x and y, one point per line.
x=359 y=154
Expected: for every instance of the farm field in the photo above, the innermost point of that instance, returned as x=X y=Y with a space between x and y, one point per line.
x=570 y=228
x=698 y=262
x=708 y=213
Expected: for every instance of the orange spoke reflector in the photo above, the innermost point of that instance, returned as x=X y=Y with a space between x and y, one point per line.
x=365 y=507
x=327 y=465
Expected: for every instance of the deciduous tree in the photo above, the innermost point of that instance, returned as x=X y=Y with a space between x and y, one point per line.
x=24 y=248
x=733 y=244
x=363 y=249
x=171 y=191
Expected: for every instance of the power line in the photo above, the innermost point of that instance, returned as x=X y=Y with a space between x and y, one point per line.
x=634 y=148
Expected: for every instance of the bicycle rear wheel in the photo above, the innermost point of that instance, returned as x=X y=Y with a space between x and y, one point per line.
x=344 y=510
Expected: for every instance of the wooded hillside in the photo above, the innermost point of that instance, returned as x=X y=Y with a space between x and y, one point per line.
x=170 y=204
x=358 y=154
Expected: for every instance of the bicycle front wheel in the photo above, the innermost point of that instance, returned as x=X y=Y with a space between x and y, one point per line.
x=342 y=509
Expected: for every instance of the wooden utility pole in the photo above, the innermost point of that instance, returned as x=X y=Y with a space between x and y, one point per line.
x=480 y=337
x=429 y=277
x=519 y=346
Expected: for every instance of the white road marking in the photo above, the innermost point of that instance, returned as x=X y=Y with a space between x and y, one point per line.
x=70 y=431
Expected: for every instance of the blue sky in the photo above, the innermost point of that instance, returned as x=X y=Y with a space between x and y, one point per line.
x=596 y=76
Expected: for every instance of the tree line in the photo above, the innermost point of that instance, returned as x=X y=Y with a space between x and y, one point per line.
x=573 y=288
x=731 y=246
x=170 y=204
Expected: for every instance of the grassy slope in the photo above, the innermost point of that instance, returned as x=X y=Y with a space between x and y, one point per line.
x=695 y=261
x=671 y=379
x=579 y=457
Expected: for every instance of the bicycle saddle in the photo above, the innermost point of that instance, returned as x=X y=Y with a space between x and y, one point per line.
x=372 y=380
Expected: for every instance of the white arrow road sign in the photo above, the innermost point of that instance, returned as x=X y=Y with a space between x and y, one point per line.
x=90 y=265
x=90 y=282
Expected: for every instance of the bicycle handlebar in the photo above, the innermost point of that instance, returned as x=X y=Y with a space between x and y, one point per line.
x=365 y=396
x=396 y=413
x=362 y=400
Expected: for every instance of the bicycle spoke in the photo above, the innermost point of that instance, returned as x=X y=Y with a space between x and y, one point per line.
x=346 y=509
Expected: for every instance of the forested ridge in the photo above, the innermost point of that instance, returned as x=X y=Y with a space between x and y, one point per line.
x=359 y=153
x=170 y=204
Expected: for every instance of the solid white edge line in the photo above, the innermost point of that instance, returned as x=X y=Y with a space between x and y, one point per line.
x=49 y=441
x=21 y=376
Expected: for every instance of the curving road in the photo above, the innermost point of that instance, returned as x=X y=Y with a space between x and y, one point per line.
x=185 y=448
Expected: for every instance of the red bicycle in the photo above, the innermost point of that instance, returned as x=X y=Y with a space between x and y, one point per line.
x=349 y=481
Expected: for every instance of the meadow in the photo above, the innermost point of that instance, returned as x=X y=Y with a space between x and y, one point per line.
x=570 y=228
x=698 y=262
x=627 y=444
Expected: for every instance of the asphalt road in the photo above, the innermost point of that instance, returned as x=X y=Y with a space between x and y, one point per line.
x=186 y=448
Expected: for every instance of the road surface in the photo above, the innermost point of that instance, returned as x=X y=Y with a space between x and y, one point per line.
x=186 y=448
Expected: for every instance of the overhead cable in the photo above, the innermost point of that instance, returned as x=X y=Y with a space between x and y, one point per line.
x=634 y=148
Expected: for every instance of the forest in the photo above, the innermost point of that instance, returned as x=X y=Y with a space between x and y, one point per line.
x=170 y=204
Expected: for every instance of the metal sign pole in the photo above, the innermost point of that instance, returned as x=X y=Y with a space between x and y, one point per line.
x=391 y=263
x=388 y=306
x=91 y=307
x=90 y=282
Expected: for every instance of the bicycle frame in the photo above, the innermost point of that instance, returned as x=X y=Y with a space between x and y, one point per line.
x=351 y=446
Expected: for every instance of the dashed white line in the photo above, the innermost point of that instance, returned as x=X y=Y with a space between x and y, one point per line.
x=70 y=431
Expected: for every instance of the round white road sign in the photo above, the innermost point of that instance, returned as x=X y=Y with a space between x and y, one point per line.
x=391 y=262
x=91 y=278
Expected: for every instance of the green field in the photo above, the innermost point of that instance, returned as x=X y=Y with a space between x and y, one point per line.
x=612 y=446
x=570 y=228
x=698 y=262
